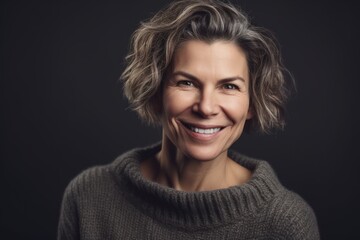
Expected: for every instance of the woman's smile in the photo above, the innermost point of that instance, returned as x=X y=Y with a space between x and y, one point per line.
x=202 y=132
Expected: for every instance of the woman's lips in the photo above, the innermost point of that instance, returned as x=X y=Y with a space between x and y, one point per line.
x=205 y=130
x=202 y=132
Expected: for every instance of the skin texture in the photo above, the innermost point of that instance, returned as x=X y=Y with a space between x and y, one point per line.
x=207 y=88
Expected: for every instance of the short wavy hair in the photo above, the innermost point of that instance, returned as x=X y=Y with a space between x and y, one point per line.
x=153 y=45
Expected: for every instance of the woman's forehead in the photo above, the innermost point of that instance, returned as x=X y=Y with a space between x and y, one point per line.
x=220 y=59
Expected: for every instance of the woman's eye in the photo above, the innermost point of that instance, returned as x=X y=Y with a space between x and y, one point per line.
x=185 y=83
x=229 y=86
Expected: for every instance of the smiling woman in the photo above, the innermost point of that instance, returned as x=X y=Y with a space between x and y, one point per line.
x=205 y=106
x=216 y=76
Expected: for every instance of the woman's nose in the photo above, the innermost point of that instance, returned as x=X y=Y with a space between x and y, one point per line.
x=207 y=104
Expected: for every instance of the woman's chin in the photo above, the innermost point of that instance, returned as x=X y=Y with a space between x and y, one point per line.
x=203 y=153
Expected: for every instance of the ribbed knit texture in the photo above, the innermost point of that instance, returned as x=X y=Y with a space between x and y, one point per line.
x=116 y=202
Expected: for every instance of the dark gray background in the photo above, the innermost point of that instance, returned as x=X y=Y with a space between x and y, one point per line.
x=62 y=108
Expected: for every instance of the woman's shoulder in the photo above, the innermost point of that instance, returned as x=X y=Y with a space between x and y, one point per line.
x=292 y=205
x=88 y=180
x=290 y=216
x=293 y=216
x=109 y=176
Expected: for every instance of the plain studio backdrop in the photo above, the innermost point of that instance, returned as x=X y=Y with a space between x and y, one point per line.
x=62 y=109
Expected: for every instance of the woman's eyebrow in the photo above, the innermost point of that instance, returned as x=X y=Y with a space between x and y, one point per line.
x=191 y=77
x=230 y=79
x=184 y=74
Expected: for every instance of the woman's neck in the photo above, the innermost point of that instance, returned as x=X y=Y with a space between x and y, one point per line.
x=173 y=169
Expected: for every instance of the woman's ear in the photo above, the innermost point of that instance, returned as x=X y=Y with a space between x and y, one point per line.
x=250 y=113
x=157 y=102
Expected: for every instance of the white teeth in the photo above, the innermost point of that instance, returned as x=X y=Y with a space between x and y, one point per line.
x=205 y=131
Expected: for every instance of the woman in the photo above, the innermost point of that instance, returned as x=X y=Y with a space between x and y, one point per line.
x=203 y=72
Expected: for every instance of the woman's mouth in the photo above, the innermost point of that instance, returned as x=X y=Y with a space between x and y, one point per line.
x=202 y=129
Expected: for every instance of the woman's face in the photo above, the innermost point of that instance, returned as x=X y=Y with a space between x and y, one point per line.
x=206 y=98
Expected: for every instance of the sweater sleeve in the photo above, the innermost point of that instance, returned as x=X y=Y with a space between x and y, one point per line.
x=68 y=227
x=299 y=220
x=305 y=225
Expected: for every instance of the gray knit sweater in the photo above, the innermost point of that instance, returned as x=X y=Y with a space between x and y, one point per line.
x=116 y=202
